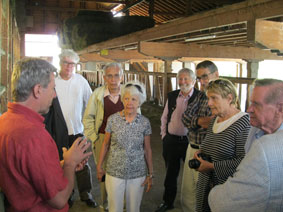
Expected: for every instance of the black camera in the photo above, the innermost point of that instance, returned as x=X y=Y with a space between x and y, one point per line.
x=194 y=163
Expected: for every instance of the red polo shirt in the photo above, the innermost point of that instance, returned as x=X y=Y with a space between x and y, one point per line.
x=30 y=171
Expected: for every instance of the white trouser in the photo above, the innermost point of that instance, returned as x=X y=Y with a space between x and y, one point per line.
x=116 y=189
x=189 y=183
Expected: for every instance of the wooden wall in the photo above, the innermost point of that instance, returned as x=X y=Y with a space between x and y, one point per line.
x=9 y=50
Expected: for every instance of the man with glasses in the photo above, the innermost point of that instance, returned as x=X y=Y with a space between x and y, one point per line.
x=196 y=118
x=104 y=101
x=206 y=71
x=73 y=92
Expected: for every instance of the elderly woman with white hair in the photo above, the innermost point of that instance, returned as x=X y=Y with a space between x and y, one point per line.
x=127 y=148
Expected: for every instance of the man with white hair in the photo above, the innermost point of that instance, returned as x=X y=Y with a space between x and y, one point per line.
x=258 y=183
x=104 y=101
x=174 y=134
x=73 y=92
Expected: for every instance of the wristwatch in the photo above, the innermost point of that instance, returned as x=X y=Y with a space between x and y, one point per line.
x=150 y=175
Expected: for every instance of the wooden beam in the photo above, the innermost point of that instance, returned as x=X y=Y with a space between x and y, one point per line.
x=269 y=34
x=156 y=49
x=61 y=9
x=236 y=13
x=128 y=7
x=93 y=58
x=103 y=1
x=125 y=55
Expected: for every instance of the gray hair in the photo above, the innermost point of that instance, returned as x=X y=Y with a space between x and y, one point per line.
x=187 y=71
x=207 y=64
x=134 y=88
x=27 y=73
x=275 y=93
x=113 y=65
x=69 y=53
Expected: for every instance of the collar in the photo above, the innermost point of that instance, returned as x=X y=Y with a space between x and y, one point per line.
x=107 y=93
x=28 y=113
x=189 y=94
x=138 y=116
x=259 y=132
x=59 y=76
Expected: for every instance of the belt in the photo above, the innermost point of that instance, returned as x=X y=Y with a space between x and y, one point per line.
x=194 y=146
x=179 y=138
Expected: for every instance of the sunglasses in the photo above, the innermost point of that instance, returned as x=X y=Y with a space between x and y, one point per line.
x=137 y=86
x=218 y=82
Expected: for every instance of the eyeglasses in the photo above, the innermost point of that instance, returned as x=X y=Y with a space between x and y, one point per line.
x=203 y=77
x=115 y=76
x=65 y=63
x=137 y=86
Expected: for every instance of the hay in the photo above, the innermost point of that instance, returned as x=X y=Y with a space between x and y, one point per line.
x=93 y=27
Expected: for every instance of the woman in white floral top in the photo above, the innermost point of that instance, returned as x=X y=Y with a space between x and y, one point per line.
x=127 y=149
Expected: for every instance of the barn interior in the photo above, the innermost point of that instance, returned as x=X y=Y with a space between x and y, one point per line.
x=187 y=31
x=147 y=37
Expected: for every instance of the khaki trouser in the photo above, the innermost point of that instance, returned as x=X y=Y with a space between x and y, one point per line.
x=96 y=151
x=189 y=183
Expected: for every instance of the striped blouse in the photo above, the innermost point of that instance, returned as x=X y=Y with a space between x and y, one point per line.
x=226 y=150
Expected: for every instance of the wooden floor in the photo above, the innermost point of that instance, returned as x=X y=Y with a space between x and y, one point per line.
x=151 y=199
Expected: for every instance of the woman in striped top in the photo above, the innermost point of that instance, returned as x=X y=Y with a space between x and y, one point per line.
x=224 y=142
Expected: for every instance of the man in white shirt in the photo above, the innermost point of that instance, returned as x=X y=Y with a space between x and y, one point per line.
x=73 y=92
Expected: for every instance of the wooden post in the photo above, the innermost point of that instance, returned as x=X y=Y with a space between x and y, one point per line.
x=166 y=82
x=252 y=72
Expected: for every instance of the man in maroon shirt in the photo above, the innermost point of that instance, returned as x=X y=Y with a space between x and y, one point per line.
x=31 y=175
x=103 y=102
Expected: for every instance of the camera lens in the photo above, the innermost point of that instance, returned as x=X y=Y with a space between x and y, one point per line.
x=194 y=163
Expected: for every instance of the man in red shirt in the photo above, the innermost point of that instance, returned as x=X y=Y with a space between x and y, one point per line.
x=31 y=175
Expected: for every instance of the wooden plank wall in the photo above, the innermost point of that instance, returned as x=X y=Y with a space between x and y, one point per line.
x=9 y=51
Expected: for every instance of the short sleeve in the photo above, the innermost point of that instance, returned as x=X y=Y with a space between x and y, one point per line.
x=147 y=130
x=109 y=124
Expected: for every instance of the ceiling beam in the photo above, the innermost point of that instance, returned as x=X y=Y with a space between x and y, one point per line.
x=93 y=58
x=236 y=13
x=129 y=7
x=269 y=34
x=160 y=50
x=125 y=55
x=61 y=9
x=102 y=1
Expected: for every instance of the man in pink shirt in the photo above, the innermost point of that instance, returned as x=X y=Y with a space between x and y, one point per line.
x=31 y=175
x=174 y=134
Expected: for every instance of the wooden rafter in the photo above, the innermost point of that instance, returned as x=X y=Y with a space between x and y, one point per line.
x=269 y=34
x=238 y=13
x=103 y=1
x=210 y=51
